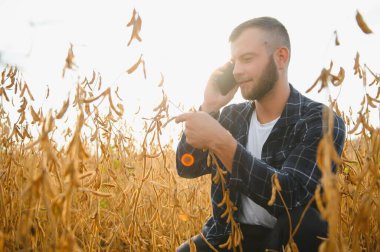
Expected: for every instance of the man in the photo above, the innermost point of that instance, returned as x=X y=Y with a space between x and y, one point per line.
x=275 y=132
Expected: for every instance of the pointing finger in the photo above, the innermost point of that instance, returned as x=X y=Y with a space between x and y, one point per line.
x=182 y=118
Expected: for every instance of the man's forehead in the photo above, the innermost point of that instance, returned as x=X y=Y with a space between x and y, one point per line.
x=252 y=35
x=250 y=40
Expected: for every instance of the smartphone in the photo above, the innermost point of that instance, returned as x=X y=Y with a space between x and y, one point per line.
x=226 y=81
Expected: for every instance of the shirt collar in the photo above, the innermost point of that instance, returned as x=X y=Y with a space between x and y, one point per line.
x=292 y=110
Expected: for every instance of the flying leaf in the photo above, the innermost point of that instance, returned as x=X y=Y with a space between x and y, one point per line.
x=132 y=19
x=135 y=66
x=337 y=43
x=47 y=92
x=136 y=22
x=363 y=26
x=138 y=110
x=161 y=81
x=69 y=63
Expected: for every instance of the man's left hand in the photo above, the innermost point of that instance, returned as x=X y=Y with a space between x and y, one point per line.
x=200 y=129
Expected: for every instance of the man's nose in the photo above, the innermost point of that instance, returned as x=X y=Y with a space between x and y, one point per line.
x=238 y=70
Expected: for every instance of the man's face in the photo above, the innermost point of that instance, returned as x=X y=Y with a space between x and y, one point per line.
x=255 y=71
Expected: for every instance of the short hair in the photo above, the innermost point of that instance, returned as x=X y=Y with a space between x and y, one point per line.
x=276 y=31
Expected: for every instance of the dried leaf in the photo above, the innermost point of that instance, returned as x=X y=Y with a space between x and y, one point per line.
x=134 y=67
x=371 y=101
x=69 y=62
x=376 y=79
x=144 y=69
x=103 y=94
x=338 y=80
x=356 y=126
x=26 y=88
x=47 y=92
x=22 y=118
x=22 y=108
x=337 y=43
x=63 y=109
x=3 y=93
x=363 y=26
x=133 y=18
x=163 y=102
x=26 y=133
x=138 y=110
x=93 y=77
x=117 y=94
x=3 y=76
x=87 y=109
x=136 y=22
x=161 y=81
x=357 y=68
x=35 y=116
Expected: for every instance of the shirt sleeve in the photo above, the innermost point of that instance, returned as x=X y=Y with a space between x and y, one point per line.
x=298 y=175
x=199 y=167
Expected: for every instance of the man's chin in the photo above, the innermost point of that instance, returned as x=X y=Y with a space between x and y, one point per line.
x=246 y=95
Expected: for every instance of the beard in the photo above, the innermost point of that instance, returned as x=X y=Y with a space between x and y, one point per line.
x=265 y=83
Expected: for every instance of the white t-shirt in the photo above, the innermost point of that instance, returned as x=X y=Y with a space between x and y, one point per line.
x=250 y=212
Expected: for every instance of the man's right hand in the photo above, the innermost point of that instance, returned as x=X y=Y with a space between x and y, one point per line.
x=213 y=99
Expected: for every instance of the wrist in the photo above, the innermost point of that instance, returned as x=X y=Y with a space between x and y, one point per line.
x=213 y=113
x=222 y=140
x=224 y=148
x=208 y=109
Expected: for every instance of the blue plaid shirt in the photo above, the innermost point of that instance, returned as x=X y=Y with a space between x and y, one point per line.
x=290 y=151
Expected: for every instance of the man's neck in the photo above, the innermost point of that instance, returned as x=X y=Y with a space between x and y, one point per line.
x=272 y=104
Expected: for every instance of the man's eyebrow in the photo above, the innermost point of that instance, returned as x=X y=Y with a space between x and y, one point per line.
x=244 y=55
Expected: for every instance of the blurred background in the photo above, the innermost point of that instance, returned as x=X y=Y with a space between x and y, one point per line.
x=182 y=40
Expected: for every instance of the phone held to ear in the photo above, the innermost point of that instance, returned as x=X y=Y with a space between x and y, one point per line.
x=226 y=81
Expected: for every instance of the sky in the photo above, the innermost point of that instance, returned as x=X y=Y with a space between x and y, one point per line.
x=183 y=40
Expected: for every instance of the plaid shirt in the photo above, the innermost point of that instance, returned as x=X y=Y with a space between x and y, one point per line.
x=290 y=151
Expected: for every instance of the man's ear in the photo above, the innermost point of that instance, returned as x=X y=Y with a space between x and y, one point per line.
x=281 y=57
